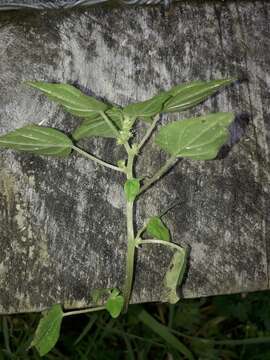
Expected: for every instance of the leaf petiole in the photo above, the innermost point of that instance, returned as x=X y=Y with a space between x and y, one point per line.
x=77 y=312
x=168 y=165
x=141 y=231
x=159 y=242
x=97 y=160
x=114 y=129
x=148 y=133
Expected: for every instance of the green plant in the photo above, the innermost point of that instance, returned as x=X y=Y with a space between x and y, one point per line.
x=198 y=138
x=218 y=328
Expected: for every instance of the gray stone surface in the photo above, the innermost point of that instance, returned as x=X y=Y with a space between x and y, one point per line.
x=46 y=4
x=62 y=221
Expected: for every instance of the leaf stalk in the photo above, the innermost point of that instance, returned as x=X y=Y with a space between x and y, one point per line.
x=168 y=165
x=84 y=311
x=97 y=160
x=148 y=133
x=159 y=242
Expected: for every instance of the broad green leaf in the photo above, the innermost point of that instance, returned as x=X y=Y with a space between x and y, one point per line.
x=72 y=99
x=165 y=333
x=132 y=189
x=157 y=229
x=197 y=138
x=98 y=126
x=115 y=303
x=148 y=108
x=37 y=140
x=187 y=95
x=48 y=330
x=174 y=276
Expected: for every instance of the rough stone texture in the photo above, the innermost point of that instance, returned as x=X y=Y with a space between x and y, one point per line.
x=46 y=4
x=62 y=221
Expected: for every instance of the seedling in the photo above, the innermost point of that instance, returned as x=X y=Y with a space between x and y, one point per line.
x=198 y=138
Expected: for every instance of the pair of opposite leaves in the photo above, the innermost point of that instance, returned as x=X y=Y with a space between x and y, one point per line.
x=197 y=138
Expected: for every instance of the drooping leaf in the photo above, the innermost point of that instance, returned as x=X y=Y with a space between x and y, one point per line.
x=174 y=276
x=197 y=138
x=132 y=189
x=48 y=330
x=98 y=126
x=115 y=303
x=71 y=98
x=157 y=229
x=187 y=95
x=147 y=109
x=37 y=140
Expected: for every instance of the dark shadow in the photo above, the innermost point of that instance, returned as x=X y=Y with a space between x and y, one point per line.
x=237 y=131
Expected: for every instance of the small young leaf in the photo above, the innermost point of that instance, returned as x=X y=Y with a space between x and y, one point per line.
x=98 y=126
x=37 y=140
x=157 y=229
x=72 y=99
x=197 y=138
x=187 y=95
x=132 y=189
x=115 y=303
x=147 y=109
x=174 y=276
x=48 y=330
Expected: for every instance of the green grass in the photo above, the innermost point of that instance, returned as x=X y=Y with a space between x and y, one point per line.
x=222 y=327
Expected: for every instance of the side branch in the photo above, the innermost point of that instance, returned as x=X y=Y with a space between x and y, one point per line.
x=99 y=161
x=114 y=129
x=169 y=164
x=148 y=133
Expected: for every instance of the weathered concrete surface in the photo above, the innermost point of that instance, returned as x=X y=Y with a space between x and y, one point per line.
x=62 y=221
x=46 y=4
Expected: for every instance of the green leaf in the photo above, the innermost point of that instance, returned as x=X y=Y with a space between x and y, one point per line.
x=48 y=330
x=72 y=99
x=197 y=138
x=157 y=229
x=115 y=303
x=147 y=109
x=174 y=276
x=187 y=95
x=98 y=126
x=37 y=140
x=132 y=189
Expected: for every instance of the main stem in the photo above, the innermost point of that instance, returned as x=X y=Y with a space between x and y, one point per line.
x=130 y=238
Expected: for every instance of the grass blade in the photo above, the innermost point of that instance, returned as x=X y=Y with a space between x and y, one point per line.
x=164 y=333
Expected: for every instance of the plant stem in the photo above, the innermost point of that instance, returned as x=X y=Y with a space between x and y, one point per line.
x=141 y=231
x=130 y=239
x=6 y=334
x=110 y=124
x=169 y=164
x=114 y=129
x=159 y=242
x=77 y=312
x=149 y=132
x=99 y=161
